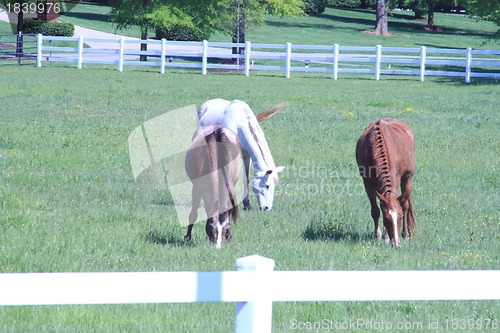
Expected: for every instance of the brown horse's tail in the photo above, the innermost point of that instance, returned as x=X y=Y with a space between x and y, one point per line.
x=226 y=158
x=265 y=115
x=234 y=203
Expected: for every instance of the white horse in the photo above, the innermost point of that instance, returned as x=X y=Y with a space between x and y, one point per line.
x=238 y=117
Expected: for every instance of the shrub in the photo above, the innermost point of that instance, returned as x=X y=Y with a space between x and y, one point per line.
x=352 y=3
x=184 y=33
x=314 y=7
x=33 y=26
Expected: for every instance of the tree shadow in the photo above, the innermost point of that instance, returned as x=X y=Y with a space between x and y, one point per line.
x=398 y=23
x=88 y=16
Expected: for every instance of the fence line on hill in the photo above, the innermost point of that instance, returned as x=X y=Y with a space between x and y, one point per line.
x=253 y=287
x=288 y=58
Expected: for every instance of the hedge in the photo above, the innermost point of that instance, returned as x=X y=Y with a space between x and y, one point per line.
x=33 y=26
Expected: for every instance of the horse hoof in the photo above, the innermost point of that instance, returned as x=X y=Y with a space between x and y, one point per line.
x=187 y=239
x=248 y=207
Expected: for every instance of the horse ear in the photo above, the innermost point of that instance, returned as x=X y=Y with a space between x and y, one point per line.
x=279 y=169
x=260 y=174
x=381 y=197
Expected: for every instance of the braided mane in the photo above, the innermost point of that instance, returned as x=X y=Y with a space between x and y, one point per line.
x=379 y=151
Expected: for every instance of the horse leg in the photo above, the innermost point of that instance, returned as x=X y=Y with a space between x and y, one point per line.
x=193 y=215
x=405 y=201
x=229 y=235
x=246 y=198
x=375 y=211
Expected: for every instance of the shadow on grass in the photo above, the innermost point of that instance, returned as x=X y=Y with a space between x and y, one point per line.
x=88 y=16
x=155 y=237
x=313 y=233
x=326 y=228
x=398 y=23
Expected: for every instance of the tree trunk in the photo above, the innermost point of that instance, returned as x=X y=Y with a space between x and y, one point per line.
x=144 y=46
x=239 y=34
x=20 y=31
x=430 y=18
x=381 y=25
x=20 y=22
x=144 y=33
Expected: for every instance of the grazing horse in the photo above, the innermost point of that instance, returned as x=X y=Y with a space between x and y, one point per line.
x=238 y=117
x=213 y=164
x=385 y=153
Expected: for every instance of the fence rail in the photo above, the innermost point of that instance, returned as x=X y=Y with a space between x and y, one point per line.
x=288 y=58
x=17 y=47
x=253 y=287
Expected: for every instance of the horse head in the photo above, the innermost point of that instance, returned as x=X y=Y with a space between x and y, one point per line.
x=392 y=213
x=217 y=229
x=263 y=185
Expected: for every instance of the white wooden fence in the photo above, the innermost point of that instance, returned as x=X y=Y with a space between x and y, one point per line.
x=253 y=287
x=333 y=59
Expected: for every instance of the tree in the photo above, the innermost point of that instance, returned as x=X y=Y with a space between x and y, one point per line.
x=236 y=15
x=485 y=9
x=381 y=23
x=150 y=15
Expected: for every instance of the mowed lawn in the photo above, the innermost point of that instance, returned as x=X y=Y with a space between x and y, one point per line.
x=69 y=203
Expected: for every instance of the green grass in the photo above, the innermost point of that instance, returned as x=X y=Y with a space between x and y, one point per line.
x=68 y=201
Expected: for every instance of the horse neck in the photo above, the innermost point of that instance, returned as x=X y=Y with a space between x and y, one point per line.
x=381 y=160
x=260 y=154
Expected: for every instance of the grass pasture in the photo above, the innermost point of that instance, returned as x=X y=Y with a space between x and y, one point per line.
x=68 y=201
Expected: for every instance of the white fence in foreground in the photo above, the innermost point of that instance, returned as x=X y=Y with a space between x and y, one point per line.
x=253 y=287
x=333 y=59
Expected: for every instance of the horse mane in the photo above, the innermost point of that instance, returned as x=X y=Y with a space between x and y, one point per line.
x=265 y=115
x=379 y=151
x=259 y=137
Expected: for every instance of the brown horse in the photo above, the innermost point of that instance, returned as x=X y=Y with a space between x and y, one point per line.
x=385 y=153
x=213 y=164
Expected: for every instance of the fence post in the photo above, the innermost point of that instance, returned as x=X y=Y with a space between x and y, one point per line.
x=248 y=47
x=163 y=55
x=255 y=315
x=80 y=52
x=423 y=55
x=335 y=61
x=288 y=59
x=39 y=42
x=378 y=58
x=121 y=53
x=468 y=61
x=204 y=58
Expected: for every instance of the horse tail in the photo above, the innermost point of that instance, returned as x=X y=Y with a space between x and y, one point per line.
x=234 y=203
x=265 y=115
x=226 y=159
x=212 y=180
